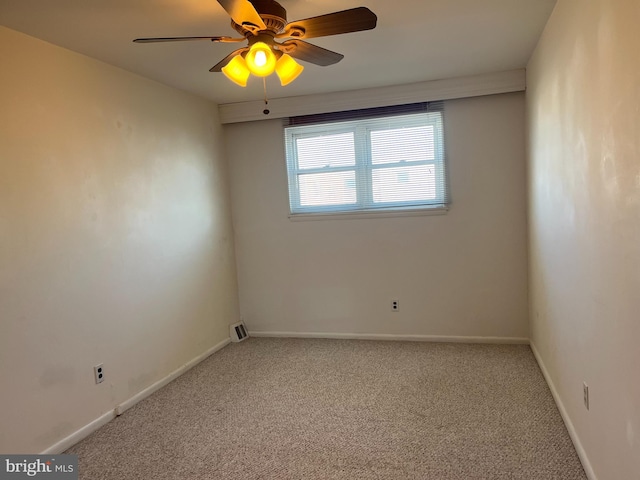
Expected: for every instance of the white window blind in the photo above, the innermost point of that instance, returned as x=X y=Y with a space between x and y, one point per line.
x=380 y=159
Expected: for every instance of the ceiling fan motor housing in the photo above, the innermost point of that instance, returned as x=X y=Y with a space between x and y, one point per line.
x=272 y=13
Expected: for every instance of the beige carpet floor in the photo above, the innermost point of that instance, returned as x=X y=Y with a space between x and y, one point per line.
x=342 y=409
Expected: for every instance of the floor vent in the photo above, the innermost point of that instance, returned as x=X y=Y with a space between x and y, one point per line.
x=238 y=332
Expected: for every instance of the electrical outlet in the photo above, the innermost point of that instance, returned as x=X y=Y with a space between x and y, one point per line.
x=98 y=371
x=585 y=395
x=395 y=305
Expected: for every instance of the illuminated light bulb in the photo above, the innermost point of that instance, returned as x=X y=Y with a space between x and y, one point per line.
x=287 y=69
x=236 y=71
x=261 y=60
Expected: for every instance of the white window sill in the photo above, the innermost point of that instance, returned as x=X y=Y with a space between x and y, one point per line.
x=409 y=212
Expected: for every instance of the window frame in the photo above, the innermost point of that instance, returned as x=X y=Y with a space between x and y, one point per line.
x=361 y=124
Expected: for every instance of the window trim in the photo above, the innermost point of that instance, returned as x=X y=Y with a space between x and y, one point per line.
x=364 y=214
x=362 y=123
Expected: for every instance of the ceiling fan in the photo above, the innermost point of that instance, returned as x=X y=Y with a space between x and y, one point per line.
x=262 y=23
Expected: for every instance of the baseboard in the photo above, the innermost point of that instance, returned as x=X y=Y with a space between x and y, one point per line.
x=582 y=454
x=78 y=435
x=91 y=427
x=384 y=336
x=127 y=404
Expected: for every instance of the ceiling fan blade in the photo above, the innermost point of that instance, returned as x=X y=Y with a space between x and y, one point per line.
x=188 y=39
x=346 y=21
x=243 y=13
x=310 y=53
x=222 y=63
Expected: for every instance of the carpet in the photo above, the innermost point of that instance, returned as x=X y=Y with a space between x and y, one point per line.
x=342 y=409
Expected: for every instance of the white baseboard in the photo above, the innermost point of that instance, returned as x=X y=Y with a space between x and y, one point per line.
x=582 y=454
x=105 y=418
x=78 y=435
x=127 y=404
x=383 y=336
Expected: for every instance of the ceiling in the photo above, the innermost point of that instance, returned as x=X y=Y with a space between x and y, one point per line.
x=414 y=41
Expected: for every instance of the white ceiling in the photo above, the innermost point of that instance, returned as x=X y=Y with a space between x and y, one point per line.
x=415 y=40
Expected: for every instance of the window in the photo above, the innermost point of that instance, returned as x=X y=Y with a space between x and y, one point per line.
x=383 y=159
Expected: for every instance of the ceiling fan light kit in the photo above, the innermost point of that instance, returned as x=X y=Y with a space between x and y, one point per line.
x=287 y=69
x=261 y=61
x=237 y=71
x=261 y=22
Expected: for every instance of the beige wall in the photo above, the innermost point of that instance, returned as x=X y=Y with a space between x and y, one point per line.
x=115 y=238
x=461 y=274
x=583 y=106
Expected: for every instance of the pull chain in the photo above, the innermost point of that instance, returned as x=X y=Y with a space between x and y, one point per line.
x=266 y=101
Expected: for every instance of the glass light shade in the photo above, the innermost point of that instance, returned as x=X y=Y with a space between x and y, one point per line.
x=261 y=60
x=236 y=71
x=287 y=69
